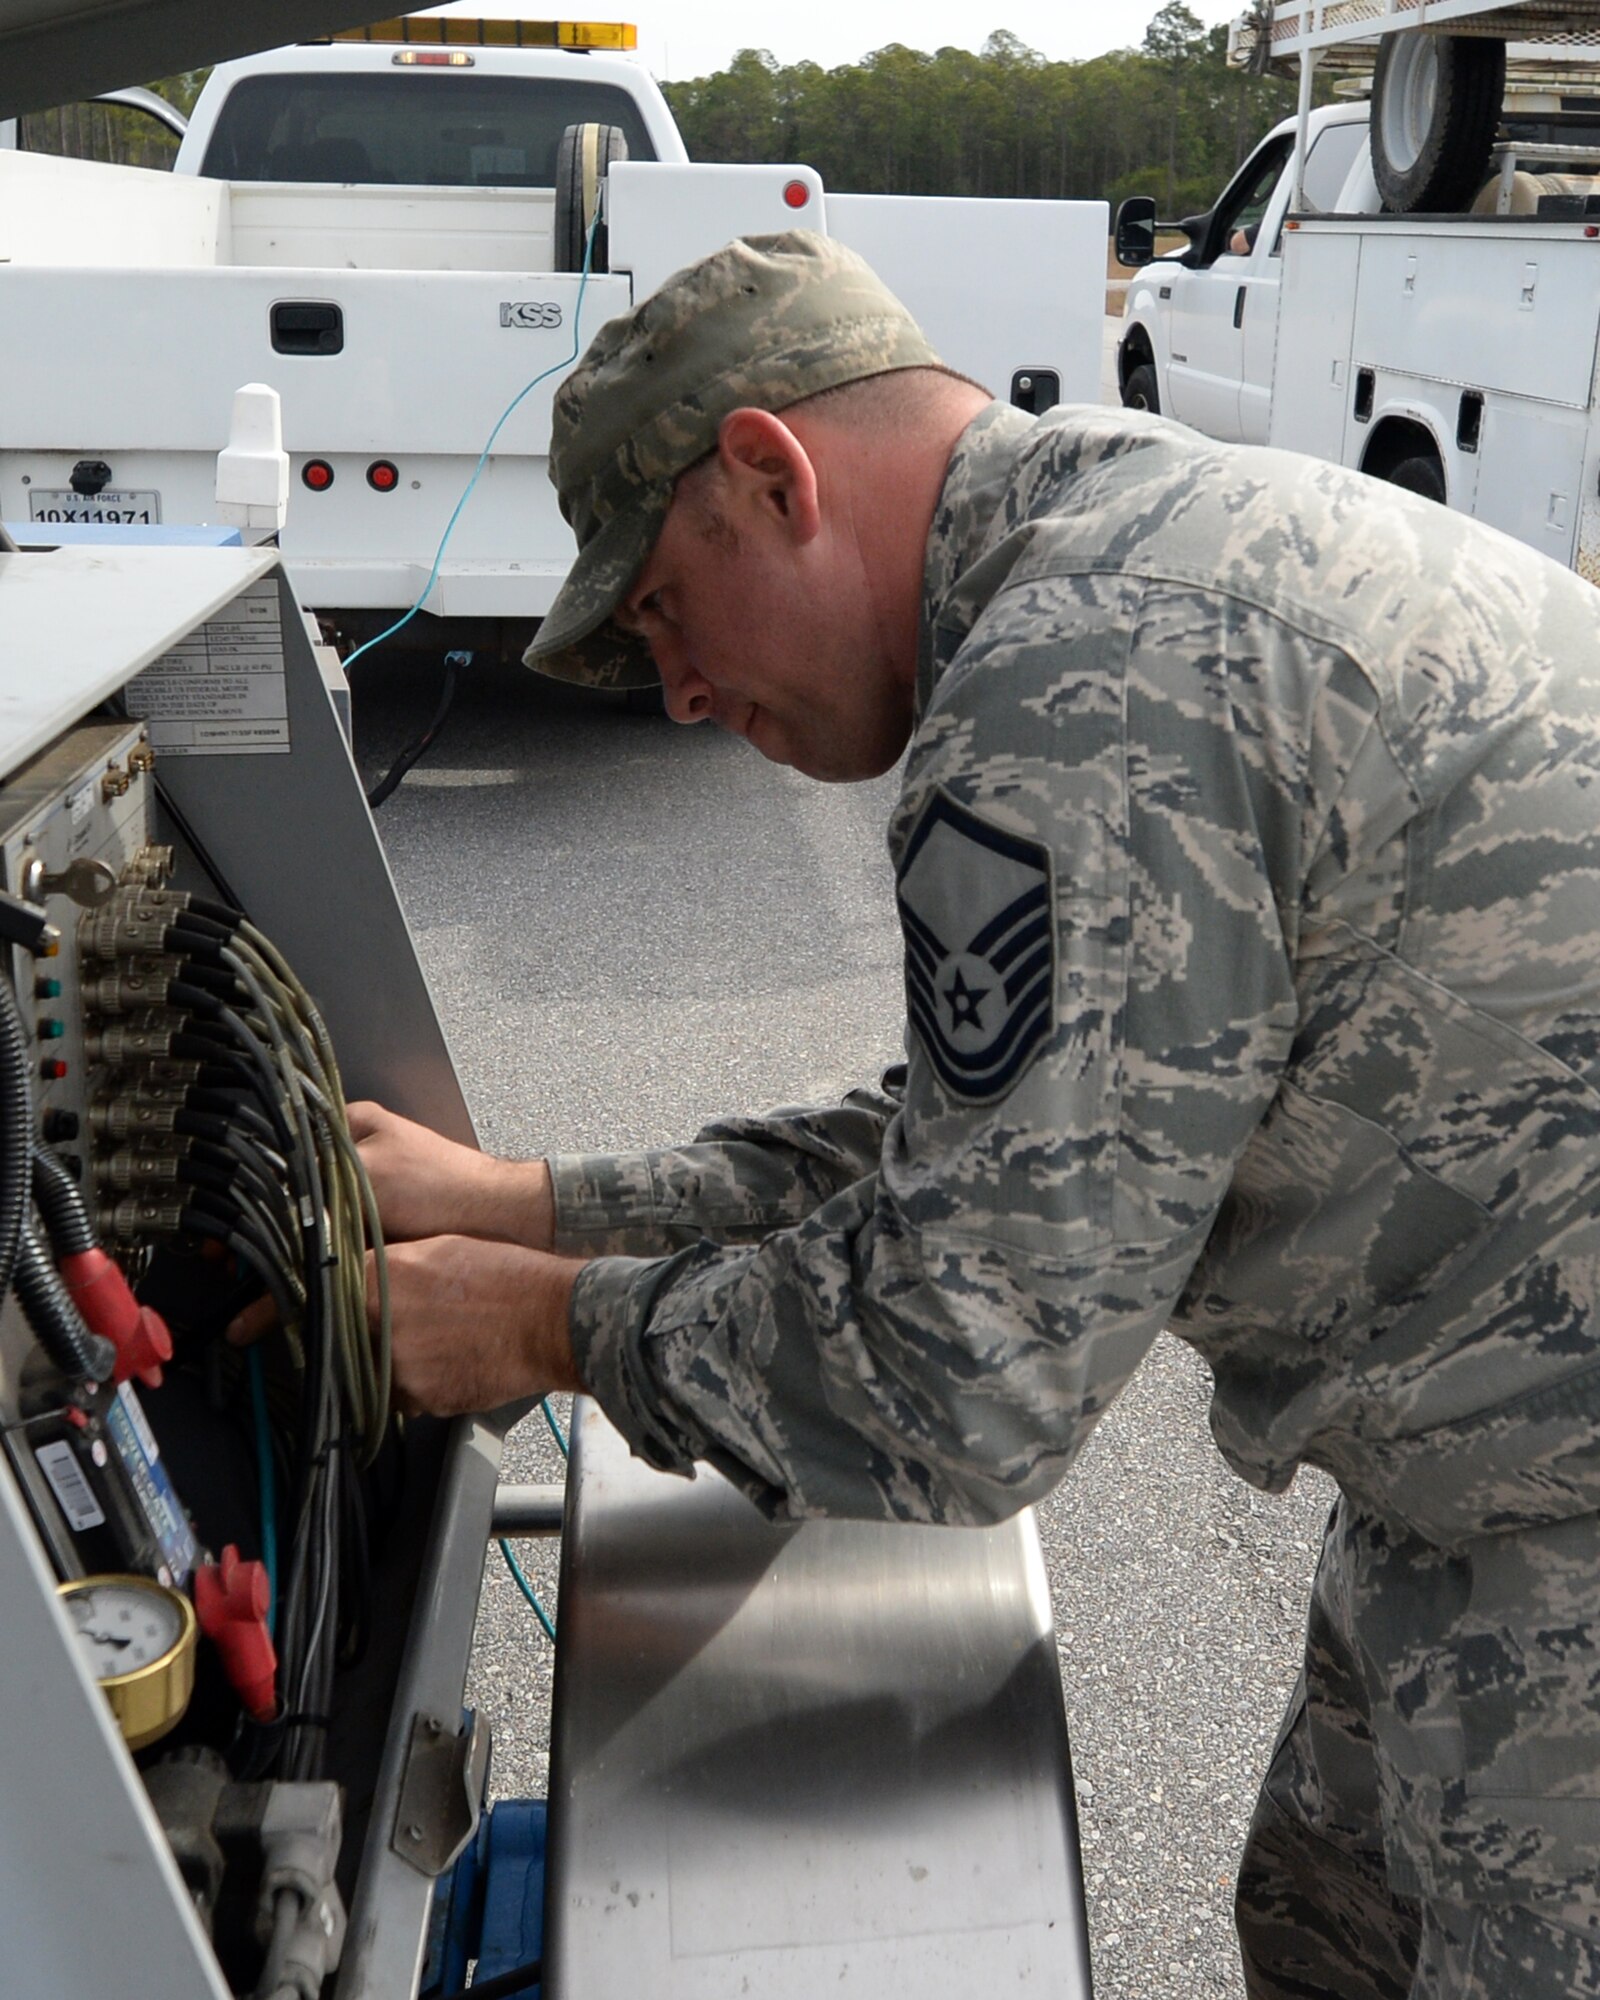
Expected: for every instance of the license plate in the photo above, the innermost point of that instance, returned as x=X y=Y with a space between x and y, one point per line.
x=114 y=503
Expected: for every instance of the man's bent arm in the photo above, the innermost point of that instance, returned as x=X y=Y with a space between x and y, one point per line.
x=738 y=1181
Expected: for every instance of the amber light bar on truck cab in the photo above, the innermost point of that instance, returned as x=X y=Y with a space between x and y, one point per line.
x=438 y=31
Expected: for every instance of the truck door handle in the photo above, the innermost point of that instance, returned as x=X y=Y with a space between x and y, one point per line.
x=1238 y=307
x=307 y=326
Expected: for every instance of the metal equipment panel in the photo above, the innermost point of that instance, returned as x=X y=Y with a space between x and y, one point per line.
x=1311 y=381
x=90 y=1896
x=1483 y=311
x=76 y=623
x=799 y=1759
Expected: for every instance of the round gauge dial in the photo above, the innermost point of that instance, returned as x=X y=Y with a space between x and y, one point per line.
x=138 y=1639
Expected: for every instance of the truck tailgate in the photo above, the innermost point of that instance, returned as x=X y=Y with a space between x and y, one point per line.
x=120 y=360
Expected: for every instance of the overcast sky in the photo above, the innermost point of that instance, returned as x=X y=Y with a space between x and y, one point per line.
x=679 y=38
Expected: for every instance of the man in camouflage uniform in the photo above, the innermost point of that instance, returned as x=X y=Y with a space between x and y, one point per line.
x=1247 y=859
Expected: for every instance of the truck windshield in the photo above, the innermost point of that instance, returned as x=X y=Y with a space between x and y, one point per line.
x=422 y=129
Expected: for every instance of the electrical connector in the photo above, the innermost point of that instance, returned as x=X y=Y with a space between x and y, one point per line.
x=132 y=1040
x=141 y=983
x=151 y=867
x=125 y=1170
x=25 y=924
x=231 y=1601
x=126 y=1117
x=131 y=921
x=138 y=1333
x=136 y=1216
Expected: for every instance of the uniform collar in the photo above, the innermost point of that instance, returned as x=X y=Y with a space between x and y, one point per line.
x=974 y=484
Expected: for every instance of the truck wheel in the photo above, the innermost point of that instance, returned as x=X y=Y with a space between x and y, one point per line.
x=584 y=157
x=1422 y=473
x=1141 y=391
x=1435 y=109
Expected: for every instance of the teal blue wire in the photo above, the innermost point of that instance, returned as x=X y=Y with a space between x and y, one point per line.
x=555 y=1427
x=528 y=1590
x=269 y=1494
x=483 y=456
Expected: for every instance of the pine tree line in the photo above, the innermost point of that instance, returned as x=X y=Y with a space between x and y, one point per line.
x=1169 y=118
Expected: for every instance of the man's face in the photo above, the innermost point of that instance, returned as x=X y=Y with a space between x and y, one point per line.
x=760 y=617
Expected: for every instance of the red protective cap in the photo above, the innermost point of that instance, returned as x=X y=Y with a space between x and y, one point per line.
x=230 y=1601
x=138 y=1333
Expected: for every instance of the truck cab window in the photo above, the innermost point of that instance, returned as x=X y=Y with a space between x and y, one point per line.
x=417 y=130
x=1239 y=213
x=1332 y=155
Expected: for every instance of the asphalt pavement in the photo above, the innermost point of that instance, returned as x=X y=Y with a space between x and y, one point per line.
x=630 y=928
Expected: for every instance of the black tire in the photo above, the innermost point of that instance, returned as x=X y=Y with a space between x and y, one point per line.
x=1141 y=391
x=1422 y=473
x=1435 y=109
x=584 y=156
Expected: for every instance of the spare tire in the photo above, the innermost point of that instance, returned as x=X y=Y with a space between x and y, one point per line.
x=585 y=155
x=1435 y=109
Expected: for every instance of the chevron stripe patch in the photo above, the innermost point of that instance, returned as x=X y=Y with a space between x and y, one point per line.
x=976 y=911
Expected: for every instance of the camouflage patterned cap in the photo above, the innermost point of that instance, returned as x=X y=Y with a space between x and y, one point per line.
x=765 y=322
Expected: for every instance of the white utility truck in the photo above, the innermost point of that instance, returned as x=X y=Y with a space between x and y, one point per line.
x=389 y=230
x=1430 y=313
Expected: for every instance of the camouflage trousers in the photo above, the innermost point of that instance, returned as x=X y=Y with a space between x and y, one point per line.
x=1429 y=1826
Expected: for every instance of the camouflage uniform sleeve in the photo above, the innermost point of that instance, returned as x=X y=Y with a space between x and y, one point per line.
x=1101 y=998
x=739 y=1179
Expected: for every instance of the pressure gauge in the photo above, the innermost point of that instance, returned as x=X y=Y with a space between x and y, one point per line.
x=138 y=1638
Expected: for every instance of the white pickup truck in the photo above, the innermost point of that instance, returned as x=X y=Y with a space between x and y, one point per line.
x=382 y=231
x=1428 y=309
x=1200 y=325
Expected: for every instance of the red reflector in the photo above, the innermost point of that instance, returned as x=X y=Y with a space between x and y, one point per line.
x=317 y=473
x=383 y=476
x=796 y=194
x=1593 y=229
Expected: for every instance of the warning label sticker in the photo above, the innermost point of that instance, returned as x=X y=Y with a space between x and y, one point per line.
x=221 y=691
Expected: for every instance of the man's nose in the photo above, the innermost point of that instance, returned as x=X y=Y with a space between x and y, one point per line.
x=687 y=695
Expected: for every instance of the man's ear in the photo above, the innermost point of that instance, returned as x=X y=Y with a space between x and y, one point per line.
x=768 y=470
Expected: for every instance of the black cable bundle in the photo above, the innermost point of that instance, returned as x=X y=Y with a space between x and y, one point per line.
x=253 y=1152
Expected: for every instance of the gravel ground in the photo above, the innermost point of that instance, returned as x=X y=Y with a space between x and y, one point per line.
x=630 y=928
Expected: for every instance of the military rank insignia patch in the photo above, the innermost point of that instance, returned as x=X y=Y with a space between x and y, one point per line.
x=975 y=907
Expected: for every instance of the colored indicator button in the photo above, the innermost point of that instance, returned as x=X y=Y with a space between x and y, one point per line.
x=49 y=948
x=52 y=1069
x=383 y=475
x=317 y=473
x=51 y=1030
x=47 y=989
x=795 y=194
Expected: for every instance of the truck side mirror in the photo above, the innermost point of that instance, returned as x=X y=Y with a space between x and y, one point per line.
x=1136 y=231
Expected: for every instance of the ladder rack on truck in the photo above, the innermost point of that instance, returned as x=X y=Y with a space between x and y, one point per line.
x=1345 y=35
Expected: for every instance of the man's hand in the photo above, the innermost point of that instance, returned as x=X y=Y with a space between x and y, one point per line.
x=430 y=1186
x=476 y=1324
